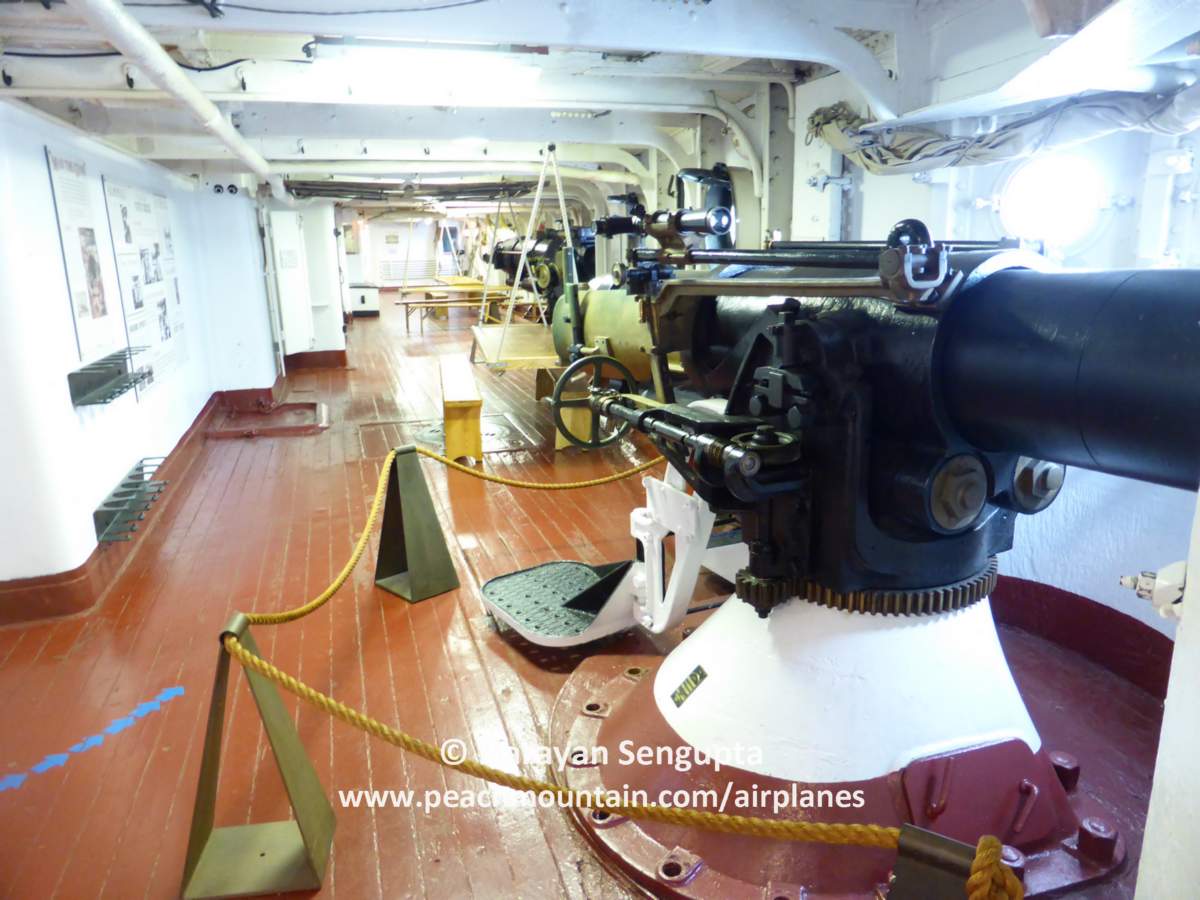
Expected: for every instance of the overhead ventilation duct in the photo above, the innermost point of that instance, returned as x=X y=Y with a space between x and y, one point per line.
x=907 y=149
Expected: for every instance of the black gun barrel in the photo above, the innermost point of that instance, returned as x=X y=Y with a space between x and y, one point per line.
x=1093 y=369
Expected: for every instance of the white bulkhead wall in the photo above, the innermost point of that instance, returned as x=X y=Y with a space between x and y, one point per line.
x=1170 y=866
x=324 y=280
x=292 y=286
x=57 y=463
x=307 y=276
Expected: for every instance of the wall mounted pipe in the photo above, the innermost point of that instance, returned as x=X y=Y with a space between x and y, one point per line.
x=124 y=32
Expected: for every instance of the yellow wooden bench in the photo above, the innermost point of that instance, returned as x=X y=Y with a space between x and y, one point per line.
x=461 y=406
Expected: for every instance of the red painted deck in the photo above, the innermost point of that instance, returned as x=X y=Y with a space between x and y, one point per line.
x=263 y=524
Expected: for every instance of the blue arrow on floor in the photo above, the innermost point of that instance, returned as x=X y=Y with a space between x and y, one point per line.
x=50 y=762
x=116 y=726
x=144 y=709
x=88 y=743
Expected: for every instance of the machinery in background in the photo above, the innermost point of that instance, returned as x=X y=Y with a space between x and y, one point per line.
x=602 y=321
x=711 y=226
x=544 y=265
x=883 y=413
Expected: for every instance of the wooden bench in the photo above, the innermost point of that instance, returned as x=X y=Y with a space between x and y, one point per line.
x=430 y=301
x=461 y=406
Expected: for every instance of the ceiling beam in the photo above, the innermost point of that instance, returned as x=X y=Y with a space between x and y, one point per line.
x=341 y=82
x=302 y=148
x=418 y=129
x=298 y=155
x=800 y=30
x=328 y=84
x=407 y=169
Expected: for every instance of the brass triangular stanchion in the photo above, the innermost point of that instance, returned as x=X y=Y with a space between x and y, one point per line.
x=413 y=562
x=266 y=858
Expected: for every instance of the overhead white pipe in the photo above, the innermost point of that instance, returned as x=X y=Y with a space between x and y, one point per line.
x=113 y=21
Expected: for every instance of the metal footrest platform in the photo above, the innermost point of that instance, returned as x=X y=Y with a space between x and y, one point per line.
x=561 y=603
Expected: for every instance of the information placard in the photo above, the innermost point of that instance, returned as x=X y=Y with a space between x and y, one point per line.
x=149 y=286
x=95 y=307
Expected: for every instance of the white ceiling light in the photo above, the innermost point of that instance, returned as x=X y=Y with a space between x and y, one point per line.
x=435 y=77
x=1057 y=199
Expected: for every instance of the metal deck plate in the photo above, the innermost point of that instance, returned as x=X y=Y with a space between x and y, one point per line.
x=555 y=598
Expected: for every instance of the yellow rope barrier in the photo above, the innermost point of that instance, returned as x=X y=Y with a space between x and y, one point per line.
x=990 y=879
x=360 y=547
x=779 y=829
x=538 y=485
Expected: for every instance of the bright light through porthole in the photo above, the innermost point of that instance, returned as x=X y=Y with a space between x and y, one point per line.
x=1056 y=199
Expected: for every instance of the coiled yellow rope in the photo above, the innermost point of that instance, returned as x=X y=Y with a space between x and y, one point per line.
x=539 y=485
x=990 y=879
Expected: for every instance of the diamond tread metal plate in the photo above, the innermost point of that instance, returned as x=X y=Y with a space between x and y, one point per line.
x=538 y=597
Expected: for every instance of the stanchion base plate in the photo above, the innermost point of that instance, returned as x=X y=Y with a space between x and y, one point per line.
x=248 y=860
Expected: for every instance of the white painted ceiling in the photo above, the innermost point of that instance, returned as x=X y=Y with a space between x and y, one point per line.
x=321 y=92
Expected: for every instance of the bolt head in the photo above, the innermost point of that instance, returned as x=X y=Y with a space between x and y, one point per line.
x=958 y=492
x=1097 y=839
x=1047 y=479
x=1014 y=859
x=1066 y=767
x=1037 y=482
x=750 y=464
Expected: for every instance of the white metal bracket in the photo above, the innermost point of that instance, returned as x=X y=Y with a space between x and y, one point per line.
x=1164 y=588
x=647 y=595
x=661 y=604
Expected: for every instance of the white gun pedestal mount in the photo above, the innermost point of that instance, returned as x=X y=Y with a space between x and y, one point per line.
x=823 y=715
x=810 y=713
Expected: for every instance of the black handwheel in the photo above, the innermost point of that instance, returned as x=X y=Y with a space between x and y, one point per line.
x=578 y=378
